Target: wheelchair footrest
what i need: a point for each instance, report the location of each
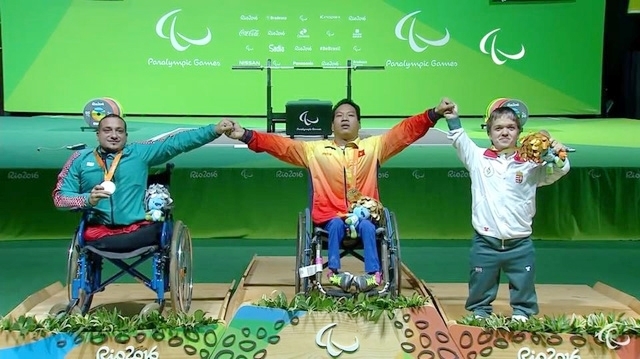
(309, 271)
(374, 293)
(339, 293)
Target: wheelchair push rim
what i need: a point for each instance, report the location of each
(180, 269)
(72, 265)
(397, 266)
(84, 300)
(302, 257)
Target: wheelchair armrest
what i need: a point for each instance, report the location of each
(321, 232)
(85, 212)
(318, 231)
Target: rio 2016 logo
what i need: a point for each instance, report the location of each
(289, 174)
(632, 175)
(458, 174)
(23, 175)
(104, 352)
(384, 174)
(203, 174)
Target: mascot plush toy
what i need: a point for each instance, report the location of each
(536, 147)
(157, 200)
(357, 214)
(155, 205)
(362, 207)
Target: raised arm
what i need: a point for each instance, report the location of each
(285, 149)
(466, 149)
(160, 151)
(66, 195)
(410, 130)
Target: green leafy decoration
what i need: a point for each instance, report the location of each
(613, 330)
(369, 307)
(109, 322)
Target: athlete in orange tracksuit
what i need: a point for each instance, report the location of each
(337, 165)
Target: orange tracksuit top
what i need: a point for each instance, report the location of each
(334, 170)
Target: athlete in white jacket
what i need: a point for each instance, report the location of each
(503, 190)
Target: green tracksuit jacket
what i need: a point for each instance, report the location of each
(126, 205)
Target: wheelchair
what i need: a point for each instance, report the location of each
(312, 240)
(171, 263)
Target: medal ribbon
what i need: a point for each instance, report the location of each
(108, 175)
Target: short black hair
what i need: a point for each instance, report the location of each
(347, 102)
(113, 115)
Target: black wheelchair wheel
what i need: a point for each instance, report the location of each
(180, 269)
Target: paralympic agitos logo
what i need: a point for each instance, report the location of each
(178, 40)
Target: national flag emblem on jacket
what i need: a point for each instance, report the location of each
(519, 177)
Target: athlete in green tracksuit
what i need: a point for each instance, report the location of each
(89, 177)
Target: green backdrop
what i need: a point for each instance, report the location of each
(175, 57)
(223, 192)
(263, 203)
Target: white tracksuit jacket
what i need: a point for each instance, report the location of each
(503, 188)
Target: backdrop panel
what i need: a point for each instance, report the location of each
(175, 57)
(263, 203)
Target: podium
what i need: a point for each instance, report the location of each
(308, 117)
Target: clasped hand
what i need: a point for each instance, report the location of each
(447, 108)
(224, 126)
(230, 128)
